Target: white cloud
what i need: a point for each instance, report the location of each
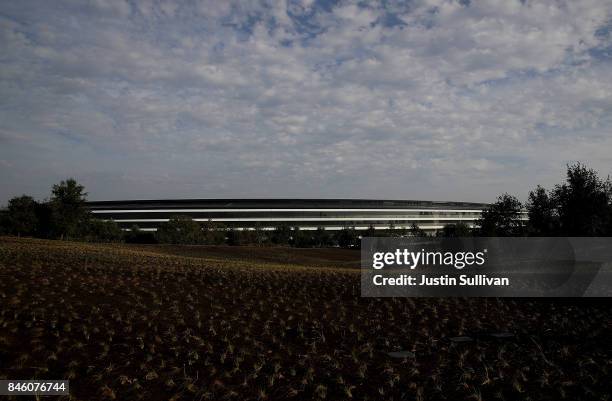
(241, 99)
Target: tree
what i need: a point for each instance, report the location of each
(45, 223)
(321, 238)
(582, 206)
(400, 232)
(68, 204)
(131, 235)
(102, 231)
(502, 218)
(391, 231)
(214, 233)
(583, 203)
(247, 237)
(137, 236)
(541, 209)
(281, 235)
(4, 222)
(455, 230)
(394, 232)
(416, 231)
(347, 238)
(370, 231)
(302, 238)
(180, 230)
(22, 219)
(234, 237)
(260, 237)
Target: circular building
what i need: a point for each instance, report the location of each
(307, 214)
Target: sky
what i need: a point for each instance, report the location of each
(432, 99)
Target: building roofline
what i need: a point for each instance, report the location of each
(267, 202)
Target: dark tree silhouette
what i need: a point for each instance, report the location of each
(582, 206)
(542, 213)
(22, 219)
(416, 231)
(321, 238)
(281, 235)
(96, 230)
(180, 230)
(347, 238)
(502, 218)
(455, 230)
(68, 205)
(583, 203)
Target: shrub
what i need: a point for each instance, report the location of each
(455, 230)
(281, 235)
(21, 219)
(347, 238)
(180, 230)
(136, 236)
(102, 231)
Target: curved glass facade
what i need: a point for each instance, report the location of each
(331, 214)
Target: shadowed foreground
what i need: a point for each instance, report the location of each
(132, 322)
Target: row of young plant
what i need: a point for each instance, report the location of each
(581, 206)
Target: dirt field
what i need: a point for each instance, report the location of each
(311, 257)
(218, 323)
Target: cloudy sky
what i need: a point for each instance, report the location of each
(432, 99)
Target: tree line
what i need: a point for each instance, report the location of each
(63, 216)
(580, 206)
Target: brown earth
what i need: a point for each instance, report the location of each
(315, 257)
(148, 323)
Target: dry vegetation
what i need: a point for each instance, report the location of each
(311, 257)
(131, 323)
